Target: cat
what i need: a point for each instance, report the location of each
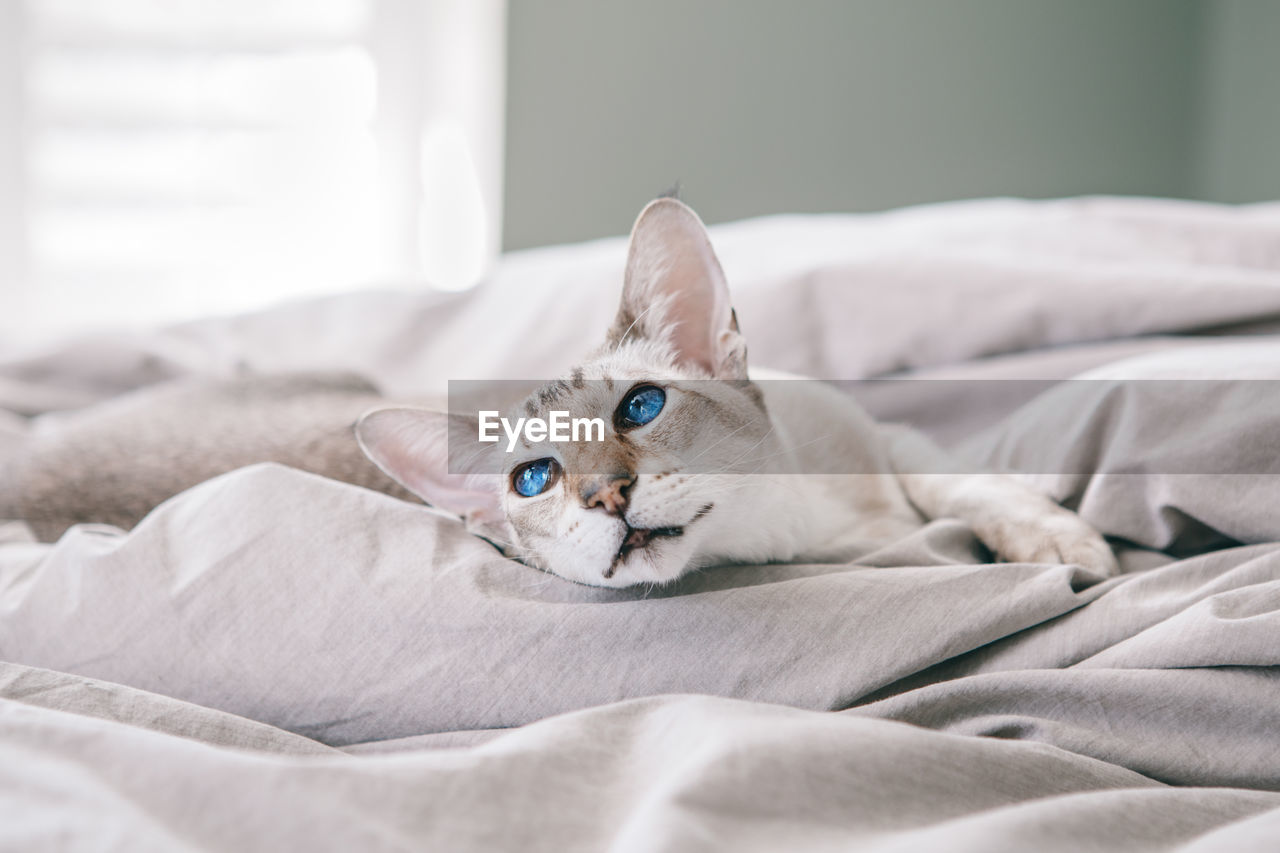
(701, 462)
(672, 378)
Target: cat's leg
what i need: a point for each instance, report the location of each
(1016, 522)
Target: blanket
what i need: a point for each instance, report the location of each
(275, 660)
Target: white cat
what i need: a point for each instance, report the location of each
(702, 464)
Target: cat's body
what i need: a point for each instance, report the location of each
(114, 462)
(700, 465)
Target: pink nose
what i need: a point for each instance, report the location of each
(608, 493)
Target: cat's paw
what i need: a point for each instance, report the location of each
(1057, 536)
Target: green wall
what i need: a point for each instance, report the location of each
(1240, 135)
(765, 106)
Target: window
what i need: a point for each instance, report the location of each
(171, 158)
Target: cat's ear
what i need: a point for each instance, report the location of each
(675, 291)
(412, 447)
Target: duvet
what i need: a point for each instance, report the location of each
(272, 660)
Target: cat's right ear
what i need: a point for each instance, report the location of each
(675, 292)
(411, 446)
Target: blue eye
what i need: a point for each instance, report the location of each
(535, 477)
(642, 405)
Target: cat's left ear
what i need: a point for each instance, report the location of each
(412, 447)
(675, 291)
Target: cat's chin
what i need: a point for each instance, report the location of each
(636, 555)
(651, 557)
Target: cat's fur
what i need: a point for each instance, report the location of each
(631, 509)
(114, 462)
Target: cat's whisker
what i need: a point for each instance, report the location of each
(763, 459)
(713, 445)
(539, 584)
(747, 452)
(520, 550)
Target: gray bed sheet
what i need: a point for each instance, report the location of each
(277, 661)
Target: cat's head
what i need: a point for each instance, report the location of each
(661, 490)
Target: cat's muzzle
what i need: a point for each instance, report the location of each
(637, 538)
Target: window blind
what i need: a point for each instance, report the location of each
(185, 157)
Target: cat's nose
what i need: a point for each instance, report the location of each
(609, 492)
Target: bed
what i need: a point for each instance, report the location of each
(272, 660)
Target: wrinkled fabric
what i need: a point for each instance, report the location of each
(272, 660)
